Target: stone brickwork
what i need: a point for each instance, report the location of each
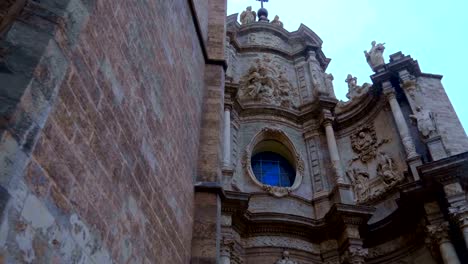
(100, 125)
(434, 98)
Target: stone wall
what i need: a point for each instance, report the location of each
(435, 99)
(100, 131)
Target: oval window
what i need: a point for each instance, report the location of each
(273, 169)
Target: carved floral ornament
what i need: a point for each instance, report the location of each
(269, 133)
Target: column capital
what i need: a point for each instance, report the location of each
(228, 107)
(356, 254)
(439, 232)
(327, 118)
(388, 90)
(407, 79)
(227, 245)
(459, 214)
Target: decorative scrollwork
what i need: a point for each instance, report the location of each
(364, 142)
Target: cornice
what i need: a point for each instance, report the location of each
(444, 171)
(304, 36)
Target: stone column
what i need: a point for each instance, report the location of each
(225, 257)
(439, 234)
(227, 138)
(332, 147)
(400, 121)
(458, 207)
(411, 156)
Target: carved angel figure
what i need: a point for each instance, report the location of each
(276, 21)
(355, 90)
(285, 259)
(426, 122)
(375, 56)
(387, 170)
(360, 181)
(248, 16)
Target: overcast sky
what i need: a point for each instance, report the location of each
(430, 31)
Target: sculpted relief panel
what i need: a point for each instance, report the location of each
(372, 171)
(267, 83)
(364, 142)
(268, 40)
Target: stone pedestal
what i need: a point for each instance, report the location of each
(436, 148)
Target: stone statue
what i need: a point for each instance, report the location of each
(316, 74)
(360, 181)
(354, 90)
(375, 56)
(329, 85)
(285, 259)
(230, 56)
(248, 16)
(387, 170)
(276, 21)
(426, 122)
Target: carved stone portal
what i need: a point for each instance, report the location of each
(264, 83)
(364, 142)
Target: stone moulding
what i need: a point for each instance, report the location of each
(269, 133)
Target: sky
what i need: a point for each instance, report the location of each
(429, 31)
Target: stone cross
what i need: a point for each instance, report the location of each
(263, 1)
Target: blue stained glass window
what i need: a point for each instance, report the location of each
(272, 169)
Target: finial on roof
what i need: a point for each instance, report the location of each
(263, 12)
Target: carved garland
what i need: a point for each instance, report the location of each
(269, 133)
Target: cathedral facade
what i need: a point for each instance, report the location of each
(168, 132)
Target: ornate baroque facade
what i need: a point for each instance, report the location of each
(129, 134)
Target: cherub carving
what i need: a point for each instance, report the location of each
(248, 16)
(375, 56)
